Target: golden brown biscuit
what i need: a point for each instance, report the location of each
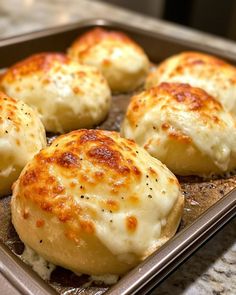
(22, 135)
(184, 127)
(95, 203)
(215, 76)
(66, 94)
(121, 60)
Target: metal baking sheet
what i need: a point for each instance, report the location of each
(207, 208)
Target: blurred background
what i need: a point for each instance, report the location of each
(212, 16)
(217, 17)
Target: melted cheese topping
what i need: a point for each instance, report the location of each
(121, 60)
(66, 94)
(21, 136)
(183, 114)
(97, 186)
(213, 75)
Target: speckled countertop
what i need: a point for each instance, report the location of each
(212, 269)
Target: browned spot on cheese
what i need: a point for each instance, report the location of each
(40, 223)
(112, 205)
(103, 154)
(29, 177)
(46, 206)
(131, 223)
(64, 215)
(46, 81)
(106, 62)
(81, 74)
(57, 188)
(136, 170)
(18, 142)
(134, 200)
(88, 136)
(197, 62)
(179, 136)
(99, 175)
(72, 184)
(194, 97)
(76, 90)
(73, 235)
(165, 126)
(152, 171)
(68, 160)
(25, 214)
(173, 180)
(87, 226)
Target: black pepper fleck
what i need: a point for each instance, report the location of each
(150, 196)
(81, 196)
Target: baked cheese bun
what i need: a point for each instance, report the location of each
(22, 135)
(184, 127)
(95, 203)
(120, 59)
(66, 94)
(215, 76)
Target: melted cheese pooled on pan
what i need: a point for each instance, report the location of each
(95, 203)
(42, 267)
(121, 60)
(215, 76)
(184, 127)
(22, 135)
(66, 94)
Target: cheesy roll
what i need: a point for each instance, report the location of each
(122, 61)
(214, 75)
(66, 94)
(184, 127)
(22, 135)
(95, 203)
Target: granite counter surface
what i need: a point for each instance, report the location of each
(212, 269)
